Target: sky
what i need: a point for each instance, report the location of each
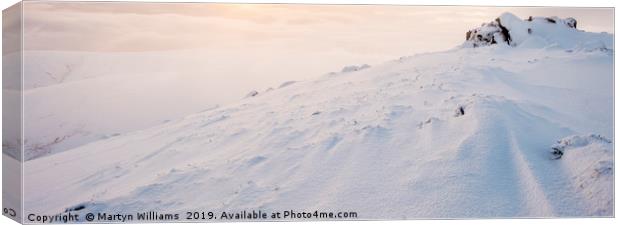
(257, 46)
(359, 29)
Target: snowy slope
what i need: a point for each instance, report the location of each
(461, 133)
(74, 98)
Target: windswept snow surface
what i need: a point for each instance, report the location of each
(74, 98)
(456, 134)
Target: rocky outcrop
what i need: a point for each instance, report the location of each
(505, 27)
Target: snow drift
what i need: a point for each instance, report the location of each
(457, 134)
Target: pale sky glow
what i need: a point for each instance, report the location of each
(237, 48)
(359, 29)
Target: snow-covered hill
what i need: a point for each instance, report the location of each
(74, 98)
(537, 32)
(468, 132)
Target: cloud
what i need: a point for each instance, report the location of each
(361, 29)
(226, 50)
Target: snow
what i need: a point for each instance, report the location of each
(287, 83)
(353, 68)
(252, 94)
(74, 98)
(464, 133)
(537, 32)
(589, 160)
